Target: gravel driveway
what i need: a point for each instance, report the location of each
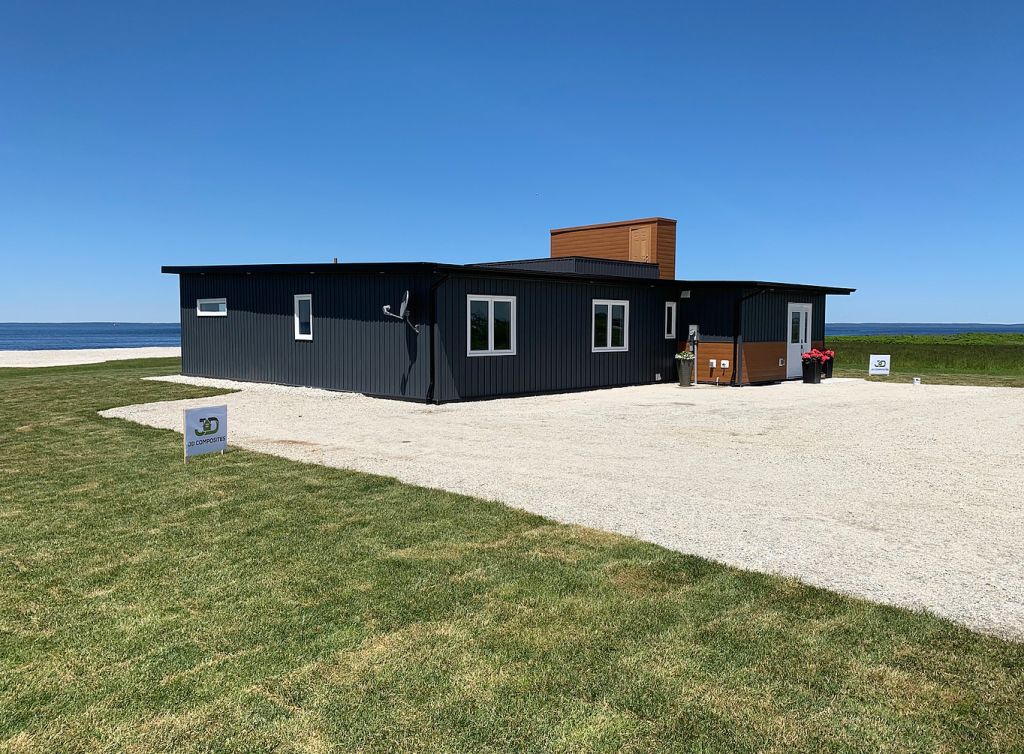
(906, 495)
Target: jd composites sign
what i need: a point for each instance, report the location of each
(206, 430)
(878, 364)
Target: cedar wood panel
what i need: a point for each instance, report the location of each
(611, 241)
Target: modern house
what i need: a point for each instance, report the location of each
(603, 310)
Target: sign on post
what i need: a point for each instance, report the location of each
(879, 364)
(206, 430)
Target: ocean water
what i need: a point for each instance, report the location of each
(34, 336)
(915, 328)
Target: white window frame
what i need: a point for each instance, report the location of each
(670, 331)
(295, 312)
(490, 325)
(593, 325)
(201, 301)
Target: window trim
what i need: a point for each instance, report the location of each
(295, 314)
(201, 301)
(470, 298)
(593, 325)
(670, 332)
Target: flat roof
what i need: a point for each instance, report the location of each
(641, 221)
(384, 268)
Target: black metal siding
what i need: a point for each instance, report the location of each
(553, 339)
(713, 310)
(582, 266)
(354, 347)
(764, 315)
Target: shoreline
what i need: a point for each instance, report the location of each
(72, 356)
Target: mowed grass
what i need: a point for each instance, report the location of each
(248, 603)
(994, 359)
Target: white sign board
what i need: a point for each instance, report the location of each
(879, 364)
(206, 430)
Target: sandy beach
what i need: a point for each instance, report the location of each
(58, 358)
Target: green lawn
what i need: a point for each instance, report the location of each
(247, 603)
(967, 359)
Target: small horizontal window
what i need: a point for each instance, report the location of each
(670, 319)
(304, 316)
(491, 325)
(610, 325)
(212, 307)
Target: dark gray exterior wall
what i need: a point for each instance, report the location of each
(764, 315)
(553, 338)
(582, 266)
(354, 347)
(713, 309)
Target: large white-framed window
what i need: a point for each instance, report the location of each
(670, 320)
(303, 316)
(490, 325)
(211, 307)
(609, 325)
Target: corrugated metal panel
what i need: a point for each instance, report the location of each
(553, 341)
(581, 266)
(765, 315)
(354, 347)
(713, 309)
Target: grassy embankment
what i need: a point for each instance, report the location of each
(968, 359)
(250, 603)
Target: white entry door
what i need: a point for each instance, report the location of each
(798, 335)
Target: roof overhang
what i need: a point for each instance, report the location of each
(765, 285)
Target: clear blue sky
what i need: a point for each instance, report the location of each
(876, 145)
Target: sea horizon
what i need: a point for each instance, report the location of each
(40, 336)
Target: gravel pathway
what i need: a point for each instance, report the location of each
(906, 495)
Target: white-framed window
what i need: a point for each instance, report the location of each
(490, 325)
(670, 320)
(609, 325)
(211, 307)
(304, 316)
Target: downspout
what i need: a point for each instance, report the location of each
(432, 295)
(737, 338)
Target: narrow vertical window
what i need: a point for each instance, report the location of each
(670, 319)
(304, 316)
(491, 325)
(610, 325)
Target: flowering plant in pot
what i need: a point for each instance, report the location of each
(684, 367)
(813, 361)
(827, 363)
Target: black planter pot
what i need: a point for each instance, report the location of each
(812, 372)
(685, 370)
(826, 369)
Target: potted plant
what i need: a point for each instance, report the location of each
(812, 361)
(827, 363)
(684, 366)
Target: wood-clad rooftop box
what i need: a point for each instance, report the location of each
(650, 239)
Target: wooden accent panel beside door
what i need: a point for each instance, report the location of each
(761, 362)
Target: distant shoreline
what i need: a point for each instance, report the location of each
(25, 358)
